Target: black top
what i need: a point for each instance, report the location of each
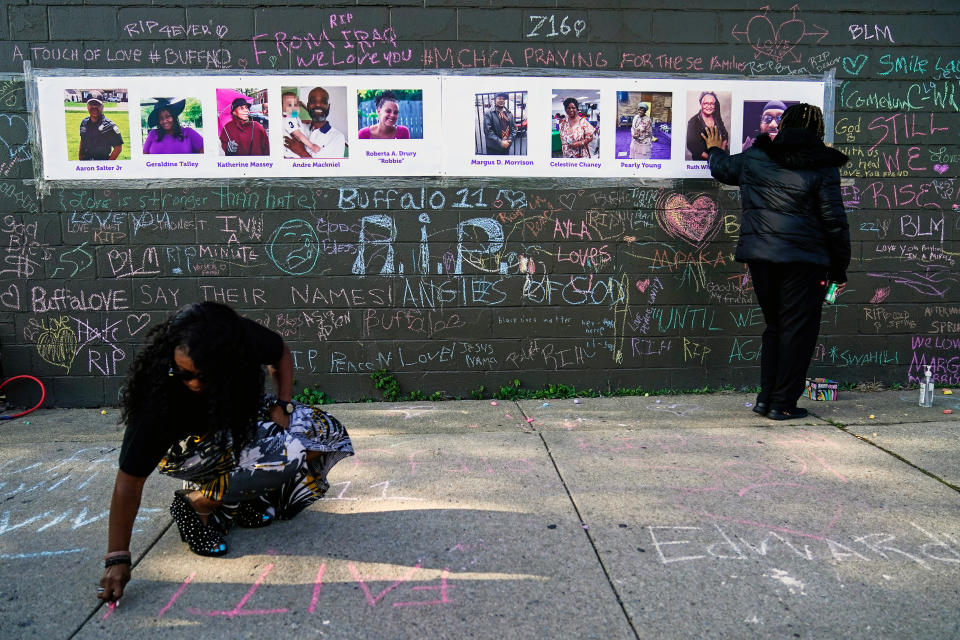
(148, 437)
(99, 139)
(493, 126)
(695, 126)
(792, 205)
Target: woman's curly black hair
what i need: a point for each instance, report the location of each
(177, 129)
(385, 96)
(212, 335)
(803, 116)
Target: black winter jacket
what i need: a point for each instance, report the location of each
(792, 207)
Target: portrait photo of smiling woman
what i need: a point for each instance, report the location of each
(709, 109)
(172, 125)
(390, 114)
(242, 122)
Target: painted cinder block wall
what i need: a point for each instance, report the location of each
(596, 292)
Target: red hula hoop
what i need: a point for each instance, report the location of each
(43, 395)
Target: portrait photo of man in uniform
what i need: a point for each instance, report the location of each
(97, 123)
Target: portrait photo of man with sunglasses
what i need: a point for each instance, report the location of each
(760, 117)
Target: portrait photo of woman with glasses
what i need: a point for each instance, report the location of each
(709, 109)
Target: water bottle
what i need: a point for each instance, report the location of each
(926, 388)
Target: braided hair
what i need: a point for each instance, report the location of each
(385, 96)
(212, 335)
(803, 116)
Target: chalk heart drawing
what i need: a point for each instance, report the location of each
(779, 41)
(57, 343)
(514, 198)
(11, 298)
(18, 131)
(137, 322)
(854, 66)
(696, 222)
(941, 168)
(643, 284)
(568, 199)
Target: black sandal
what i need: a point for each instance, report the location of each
(249, 515)
(252, 515)
(203, 540)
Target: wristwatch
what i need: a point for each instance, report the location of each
(285, 405)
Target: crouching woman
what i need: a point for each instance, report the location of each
(195, 409)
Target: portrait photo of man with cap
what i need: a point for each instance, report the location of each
(99, 137)
(240, 133)
(762, 117)
(500, 128)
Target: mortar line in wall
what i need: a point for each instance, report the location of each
(585, 527)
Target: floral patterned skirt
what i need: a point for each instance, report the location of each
(271, 468)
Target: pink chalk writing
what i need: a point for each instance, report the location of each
(239, 610)
(442, 589)
(317, 588)
(176, 595)
(363, 581)
(371, 600)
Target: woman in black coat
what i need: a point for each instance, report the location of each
(795, 239)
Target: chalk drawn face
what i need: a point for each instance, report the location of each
(770, 122)
(389, 113)
(294, 247)
(165, 120)
(186, 371)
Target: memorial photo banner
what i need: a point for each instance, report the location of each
(141, 127)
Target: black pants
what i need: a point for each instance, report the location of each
(791, 297)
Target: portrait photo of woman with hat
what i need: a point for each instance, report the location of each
(167, 134)
(242, 122)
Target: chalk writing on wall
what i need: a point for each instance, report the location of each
(455, 282)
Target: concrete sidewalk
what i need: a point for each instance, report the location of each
(642, 517)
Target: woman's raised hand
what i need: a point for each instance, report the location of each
(711, 135)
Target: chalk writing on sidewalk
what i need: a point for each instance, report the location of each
(406, 588)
